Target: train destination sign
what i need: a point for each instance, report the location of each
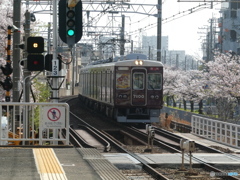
(53, 117)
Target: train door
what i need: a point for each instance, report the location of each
(138, 87)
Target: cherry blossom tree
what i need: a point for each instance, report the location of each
(191, 88)
(6, 14)
(223, 81)
(170, 83)
(218, 79)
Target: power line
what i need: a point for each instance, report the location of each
(172, 18)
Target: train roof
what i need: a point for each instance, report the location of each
(130, 62)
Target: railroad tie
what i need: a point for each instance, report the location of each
(48, 165)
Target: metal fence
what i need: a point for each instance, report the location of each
(34, 124)
(223, 132)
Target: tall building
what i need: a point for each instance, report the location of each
(229, 27)
(149, 46)
(175, 58)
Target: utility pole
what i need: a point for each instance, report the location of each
(149, 52)
(159, 30)
(16, 51)
(211, 41)
(49, 39)
(122, 40)
(131, 46)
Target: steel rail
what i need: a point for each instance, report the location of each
(206, 165)
(121, 149)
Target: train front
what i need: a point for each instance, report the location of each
(139, 91)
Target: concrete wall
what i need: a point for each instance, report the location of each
(178, 114)
(182, 115)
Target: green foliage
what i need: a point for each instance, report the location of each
(182, 109)
(42, 94)
(41, 91)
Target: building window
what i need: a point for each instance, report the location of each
(233, 35)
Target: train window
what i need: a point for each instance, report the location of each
(138, 81)
(154, 81)
(123, 80)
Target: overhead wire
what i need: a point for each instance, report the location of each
(172, 18)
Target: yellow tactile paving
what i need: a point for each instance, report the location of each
(48, 165)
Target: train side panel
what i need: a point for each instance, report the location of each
(96, 84)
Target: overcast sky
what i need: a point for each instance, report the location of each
(184, 33)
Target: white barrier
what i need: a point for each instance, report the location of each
(219, 131)
(34, 123)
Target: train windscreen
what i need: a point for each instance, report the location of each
(154, 81)
(138, 81)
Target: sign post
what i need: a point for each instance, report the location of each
(53, 117)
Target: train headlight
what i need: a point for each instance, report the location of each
(139, 62)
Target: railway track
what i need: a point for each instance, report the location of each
(175, 138)
(180, 127)
(146, 169)
(154, 172)
(205, 165)
(198, 146)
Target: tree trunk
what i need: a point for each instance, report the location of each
(167, 100)
(174, 102)
(192, 106)
(184, 104)
(180, 104)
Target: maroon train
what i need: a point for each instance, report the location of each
(130, 91)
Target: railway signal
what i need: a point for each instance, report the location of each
(35, 45)
(35, 62)
(7, 69)
(70, 22)
(35, 59)
(7, 84)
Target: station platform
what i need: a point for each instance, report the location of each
(56, 164)
(87, 163)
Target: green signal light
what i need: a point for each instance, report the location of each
(70, 32)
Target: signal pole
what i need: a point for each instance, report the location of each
(26, 73)
(55, 62)
(16, 51)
